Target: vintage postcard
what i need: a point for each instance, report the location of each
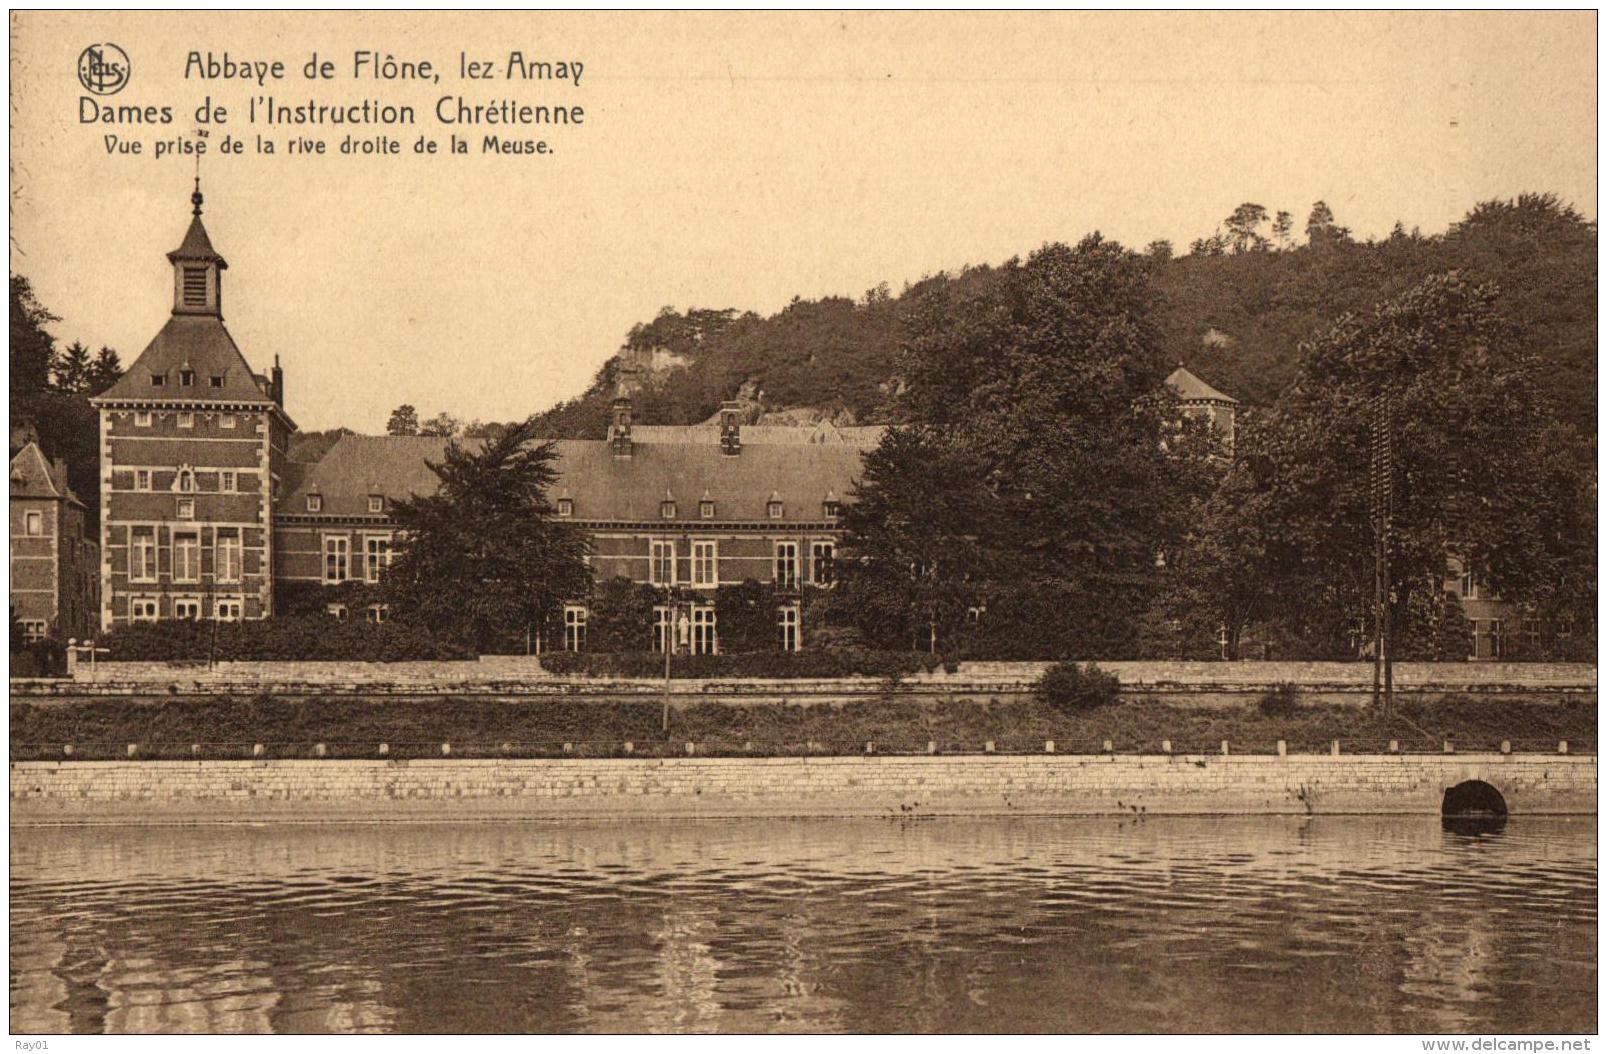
(804, 523)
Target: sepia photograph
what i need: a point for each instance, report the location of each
(804, 523)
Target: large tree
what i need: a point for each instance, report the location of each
(484, 560)
(1040, 389)
(1482, 468)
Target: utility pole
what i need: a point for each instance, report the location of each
(1381, 486)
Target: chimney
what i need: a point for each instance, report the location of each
(731, 427)
(619, 427)
(277, 388)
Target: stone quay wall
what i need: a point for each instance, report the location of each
(896, 787)
(523, 675)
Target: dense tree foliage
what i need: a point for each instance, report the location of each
(484, 560)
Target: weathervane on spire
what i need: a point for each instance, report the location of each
(195, 198)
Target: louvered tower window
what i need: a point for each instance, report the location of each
(195, 287)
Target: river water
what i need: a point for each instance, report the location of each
(948, 925)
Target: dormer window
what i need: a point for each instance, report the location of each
(158, 380)
(376, 503)
(217, 380)
(186, 378)
(666, 509)
(705, 509)
(566, 506)
(315, 503)
(774, 509)
(830, 509)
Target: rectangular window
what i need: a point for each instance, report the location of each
(1497, 641)
(566, 506)
(228, 610)
(228, 554)
(703, 635)
(786, 565)
(142, 609)
(34, 629)
(574, 627)
(337, 612)
(142, 555)
(378, 612)
(662, 571)
(1531, 631)
(228, 482)
(376, 503)
(158, 380)
(821, 557)
(661, 628)
(142, 418)
(376, 557)
(787, 620)
(705, 564)
(705, 509)
(34, 524)
(224, 420)
(186, 556)
(186, 419)
(187, 608)
(186, 508)
(142, 479)
(195, 286)
(315, 503)
(186, 378)
(774, 509)
(337, 559)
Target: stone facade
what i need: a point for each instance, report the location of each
(895, 787)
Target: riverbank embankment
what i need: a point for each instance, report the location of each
(443, 789)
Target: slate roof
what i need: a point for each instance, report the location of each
(602, 486)
(199, 343)
(197, 246)
(33, 476)
(1189, 388)
(824, 433)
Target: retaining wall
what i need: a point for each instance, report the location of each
(522, 675)
(206, 791)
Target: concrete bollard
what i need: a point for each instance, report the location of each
(988, 746)
(1283, 748)
(133, 750)
(1110, 748)
(257, 750)
(1506, 746)
(1224, 748)
(1166, 746)
(1394, 746)
(1333, 748)
(630, 748)
(1048, 746)
(319, 750)
(1449, 749)
(67, 750)
(384, 749)
(931, 746)
(1562, 746)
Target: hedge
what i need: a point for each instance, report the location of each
(307, 637)
(835, 663)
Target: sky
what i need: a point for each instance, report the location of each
(736, 160)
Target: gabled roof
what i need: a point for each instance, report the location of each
(33, 476)
(602, 486)
(1190, 388)
(199, 343)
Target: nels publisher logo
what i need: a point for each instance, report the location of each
(104, 69)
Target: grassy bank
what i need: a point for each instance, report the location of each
(230, 727)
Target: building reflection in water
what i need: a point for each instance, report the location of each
(1383, 924)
